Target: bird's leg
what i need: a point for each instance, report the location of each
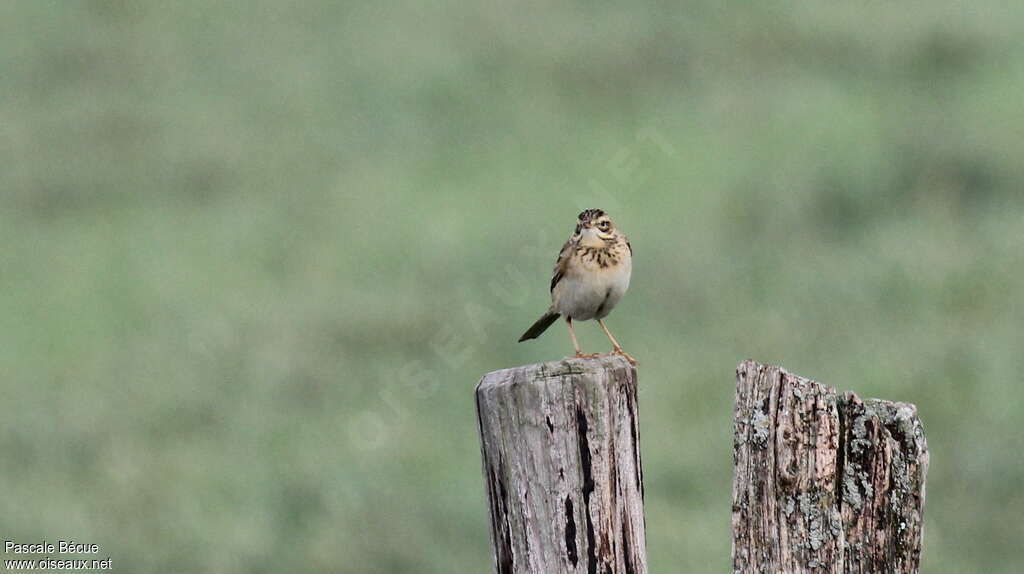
(575, 343)
(618, 348)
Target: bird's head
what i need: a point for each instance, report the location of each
(594, 227)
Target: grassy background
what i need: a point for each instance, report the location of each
(256, 255)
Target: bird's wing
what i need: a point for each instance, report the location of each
(630, 247)
(560, 264)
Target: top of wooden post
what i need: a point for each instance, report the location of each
(550, 369)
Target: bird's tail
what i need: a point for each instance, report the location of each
(540, 326)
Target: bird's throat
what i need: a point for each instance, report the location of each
(592, 240)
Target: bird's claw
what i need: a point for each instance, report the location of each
(625, 355)
(582, 355)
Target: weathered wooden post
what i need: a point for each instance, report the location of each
(561, 460)
(824, 482)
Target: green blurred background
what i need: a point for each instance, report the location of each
(255, 255)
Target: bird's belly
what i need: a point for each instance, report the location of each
(590, 297)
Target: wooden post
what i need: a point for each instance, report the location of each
(824, 482)
(561, 460)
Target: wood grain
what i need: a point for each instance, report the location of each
(561, 461)
(823, 482)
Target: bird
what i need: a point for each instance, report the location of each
(591, 274)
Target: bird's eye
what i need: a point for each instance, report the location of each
(604, 225)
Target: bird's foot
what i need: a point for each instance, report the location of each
(625, 355)
(582, 355)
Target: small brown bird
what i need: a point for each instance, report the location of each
(591, 275)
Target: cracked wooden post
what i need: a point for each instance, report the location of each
(824, 482)
(561, 461)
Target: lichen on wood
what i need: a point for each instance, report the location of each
(886, 458)
(824, 482)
